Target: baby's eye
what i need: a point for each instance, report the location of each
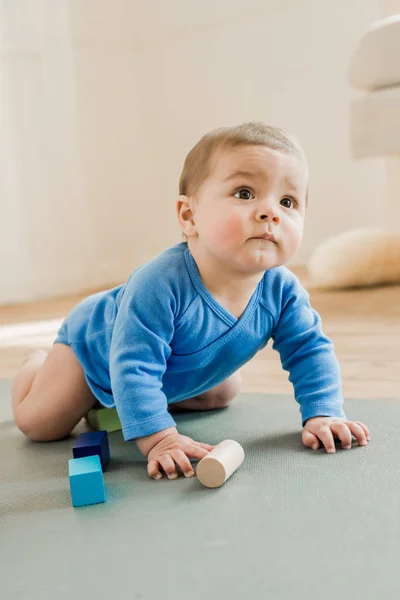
(288, 200)
(244, 194)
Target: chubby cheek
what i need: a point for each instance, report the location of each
(228, 230)
(293, 239)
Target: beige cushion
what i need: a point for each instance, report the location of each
(356, 258)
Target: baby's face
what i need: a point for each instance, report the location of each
(252, 191)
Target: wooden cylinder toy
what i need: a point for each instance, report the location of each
(219, 464)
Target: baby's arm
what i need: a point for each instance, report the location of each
(308, 355)
(140, 348)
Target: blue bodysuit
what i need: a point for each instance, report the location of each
(162, 337)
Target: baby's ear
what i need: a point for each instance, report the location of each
(186, 215)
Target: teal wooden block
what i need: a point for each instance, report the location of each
(86, 480)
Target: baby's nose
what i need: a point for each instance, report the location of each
(268, 216)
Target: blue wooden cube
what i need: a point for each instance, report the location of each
(91, 443)
(86, 481)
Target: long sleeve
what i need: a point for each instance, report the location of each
(308, 355)
(140, 348)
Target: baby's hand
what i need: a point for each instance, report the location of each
(175, 449)
(324, 429)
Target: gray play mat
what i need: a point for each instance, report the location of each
(289, 524)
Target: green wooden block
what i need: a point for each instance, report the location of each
(104, 419)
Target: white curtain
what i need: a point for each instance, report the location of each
(82, 190)
(45, 235)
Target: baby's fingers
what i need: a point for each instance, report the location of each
(183, 462)
(342, 431)
(310, 440)
(359, 432)
(168, 466)
(364, 428)
(195, 451)
(153, 469)
(166, 463)
(206, 446)
(326, 437)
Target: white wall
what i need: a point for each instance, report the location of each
(103, 104)
(389, 7)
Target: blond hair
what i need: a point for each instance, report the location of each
(197, 164)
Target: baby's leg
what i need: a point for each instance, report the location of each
(218, 397)
(50, 394)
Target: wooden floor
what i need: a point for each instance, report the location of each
(363, 324)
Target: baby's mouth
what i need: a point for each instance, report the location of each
(268, 236)
(265, 239)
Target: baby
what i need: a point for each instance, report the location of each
(178, 331)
